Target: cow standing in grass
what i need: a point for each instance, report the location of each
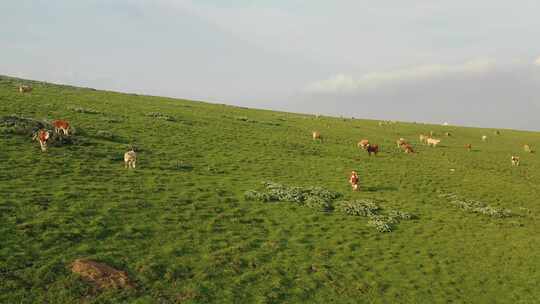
(363, 144)
(423, 138)
(433, 142)
(61, 125)
(372, 149)
(484, 137)
(400, 142)
(43, 136)
(353, 180)
(515, 160)
(527, 149)
(407, 148)
(25, 89)
(468, 147)
(316, 135)
(130, 159)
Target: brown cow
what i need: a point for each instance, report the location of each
(468, 147)
(372, 149)
(408, 148)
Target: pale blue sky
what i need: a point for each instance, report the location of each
(465, 62)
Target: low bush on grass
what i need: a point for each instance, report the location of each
(382, 222)
(358, 208)
(473, 206)
(84, 110)
(322, 199)
(312, 197)
(14, 124)
(159, 115)
(105, 135)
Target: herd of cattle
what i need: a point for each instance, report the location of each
(424, 139)
(62, 128)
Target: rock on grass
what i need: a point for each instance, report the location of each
(102, 275)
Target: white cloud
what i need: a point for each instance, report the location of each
(537, 62)
(342, 83)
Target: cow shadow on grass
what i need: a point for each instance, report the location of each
(380, 188)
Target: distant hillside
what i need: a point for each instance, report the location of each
(182, 228)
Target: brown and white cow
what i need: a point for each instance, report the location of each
(515, 160)
(130, 159)
(43, 136)
(372, 149)
(25, 88)
(468, 147)
(363, 144)
(353, 180)
(61, 125)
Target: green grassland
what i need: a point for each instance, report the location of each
(180, 226)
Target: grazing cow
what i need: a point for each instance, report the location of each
(515, 160)
(363, 144)
(25, 88)
(497, 132)
(353, 180)
(447, 134)
(43, 136)
(61, 125)
(484, 137)
(527, 149)
(407, 148)
(433, 142)
(468, 147)
(400, 142)
(372, 149)
(130, 159)
(423, 138)
(316, 135)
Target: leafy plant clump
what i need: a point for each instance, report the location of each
(15, 124)
(473, 206)
(160, 115)
(312, 197)
(370, 209)
(358, 208)
(84, 110)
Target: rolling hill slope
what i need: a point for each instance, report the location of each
(182, 229)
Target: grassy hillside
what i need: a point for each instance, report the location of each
(180, 226)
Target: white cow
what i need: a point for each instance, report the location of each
(130, 159)
(433, 142)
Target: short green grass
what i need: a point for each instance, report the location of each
(180, 226)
